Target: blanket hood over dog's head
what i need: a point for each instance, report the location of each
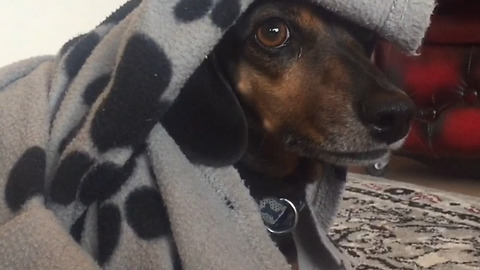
(127, 137)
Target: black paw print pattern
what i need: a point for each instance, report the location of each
(223, 14)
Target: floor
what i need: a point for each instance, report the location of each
(405, 170)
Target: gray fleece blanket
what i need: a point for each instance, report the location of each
(112, 156)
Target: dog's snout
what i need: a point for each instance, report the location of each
(388, 116)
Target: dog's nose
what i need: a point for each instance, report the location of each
(388, 116)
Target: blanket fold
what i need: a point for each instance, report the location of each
(113, 157)
(34, 240)
(402, 22)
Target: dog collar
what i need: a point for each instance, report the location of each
(280, 215)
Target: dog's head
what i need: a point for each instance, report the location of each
(306, 82)
(307, 78)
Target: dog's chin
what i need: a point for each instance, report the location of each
(360, 158)
(345, 158)
(396, 145)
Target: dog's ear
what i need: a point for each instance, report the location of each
(367, 38)
(206, 119)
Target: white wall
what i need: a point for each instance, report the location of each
(36, 27)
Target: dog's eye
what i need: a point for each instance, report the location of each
(273, 33)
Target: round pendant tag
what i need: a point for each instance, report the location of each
(279, 214)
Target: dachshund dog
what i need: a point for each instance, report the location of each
(311, 95)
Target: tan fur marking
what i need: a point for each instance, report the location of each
(309, 20)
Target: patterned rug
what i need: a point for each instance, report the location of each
(391, 225)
